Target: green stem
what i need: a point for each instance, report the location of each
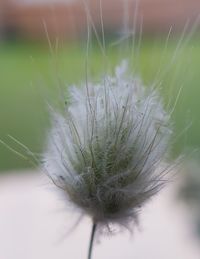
(92, 240)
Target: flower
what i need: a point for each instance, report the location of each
(106, 150)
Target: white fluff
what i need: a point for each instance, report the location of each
(105, 151)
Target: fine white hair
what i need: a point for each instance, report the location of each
(106, 150)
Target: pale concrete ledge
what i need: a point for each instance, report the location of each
(33, 222)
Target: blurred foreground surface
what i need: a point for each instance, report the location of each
(34, 222)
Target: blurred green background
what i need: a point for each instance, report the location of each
(33, 74)
(31, 77)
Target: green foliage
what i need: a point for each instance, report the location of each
(31, 76)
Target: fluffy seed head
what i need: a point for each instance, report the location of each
(105, 151)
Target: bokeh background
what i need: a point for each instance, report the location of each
(166, 52)
(43, 51)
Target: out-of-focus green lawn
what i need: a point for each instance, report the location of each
(30, 77)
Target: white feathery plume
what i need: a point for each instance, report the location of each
(105, 152)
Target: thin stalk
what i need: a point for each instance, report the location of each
(92, 240)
